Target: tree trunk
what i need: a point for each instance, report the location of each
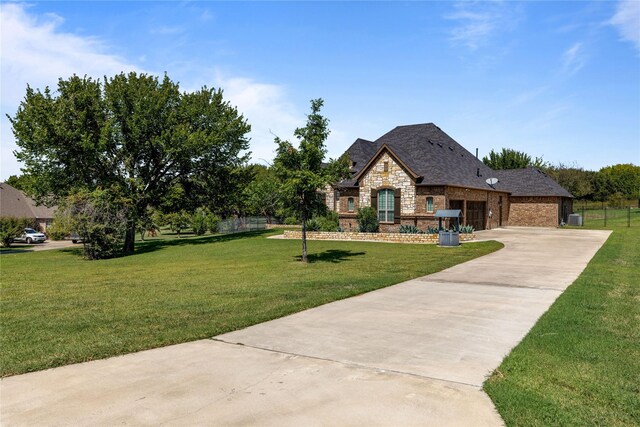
(130, 239)
(304, 239)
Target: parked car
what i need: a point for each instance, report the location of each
(31, 236)
(75, 238)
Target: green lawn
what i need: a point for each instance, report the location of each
(580, 364)
(57, 308)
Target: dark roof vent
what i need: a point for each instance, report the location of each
(439, 145)
(451, 148)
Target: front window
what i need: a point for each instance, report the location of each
(429, 204)
(30, 231)
(351, 204)
(385, 205)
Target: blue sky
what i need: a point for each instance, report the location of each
(554, 79)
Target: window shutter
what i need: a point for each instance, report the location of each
(374, 200)
(396, 206)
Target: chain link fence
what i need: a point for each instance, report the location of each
(609, 217)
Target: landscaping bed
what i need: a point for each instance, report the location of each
(372, 237)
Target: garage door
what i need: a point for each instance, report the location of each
(475, 214)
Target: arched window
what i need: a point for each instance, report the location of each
(385, 205)
(429, 204)
(350, 204)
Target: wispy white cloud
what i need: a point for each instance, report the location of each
(36, 51)
(627, 21)
(477, 22)
(574, 58)
(267, 108)
(164, 30)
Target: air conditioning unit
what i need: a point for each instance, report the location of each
(575, 219)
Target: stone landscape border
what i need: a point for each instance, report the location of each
(372, 237)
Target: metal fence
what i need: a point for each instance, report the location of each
(240, 225)
(609, 217)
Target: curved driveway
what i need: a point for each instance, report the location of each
(411, 354)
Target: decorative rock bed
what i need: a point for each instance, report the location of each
(375, 237)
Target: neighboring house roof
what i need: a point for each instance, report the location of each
(531, 181)
(437, 159)
(15, 203)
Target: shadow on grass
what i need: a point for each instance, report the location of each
(146, 246)
(154, 245)
(331, 255)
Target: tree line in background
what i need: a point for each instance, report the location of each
(614, 184)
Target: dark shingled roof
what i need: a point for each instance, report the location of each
(15, 203)
(530, 182)
(439, 160)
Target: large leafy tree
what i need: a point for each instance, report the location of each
(302, 171)
(511, 159)
(132, 133)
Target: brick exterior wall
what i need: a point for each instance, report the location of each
(343, 202)
(535, 211)
(376, 237)
(492, 200)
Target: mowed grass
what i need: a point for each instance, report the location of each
(580, 364)
(57, 308)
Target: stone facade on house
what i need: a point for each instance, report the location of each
(433, 172)
(393, 177)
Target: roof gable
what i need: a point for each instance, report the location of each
(374, 159)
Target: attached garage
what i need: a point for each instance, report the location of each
(475, 214)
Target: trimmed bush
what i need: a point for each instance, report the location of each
(291, 220)
(368, 220)
(329, 222)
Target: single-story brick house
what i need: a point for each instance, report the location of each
(412, 171)
(14, 203)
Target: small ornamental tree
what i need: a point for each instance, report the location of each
(302, 171)
(200, 221)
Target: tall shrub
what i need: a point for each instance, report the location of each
(200, 221)
(11, 227)
(101, 219)
(368, 220)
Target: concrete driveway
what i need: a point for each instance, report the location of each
(411, 354)
(36, 247)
